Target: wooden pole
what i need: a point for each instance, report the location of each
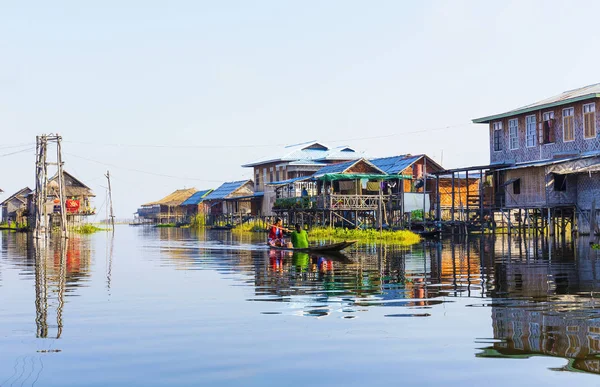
(61, 188)
(112, 216)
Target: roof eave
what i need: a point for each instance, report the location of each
(488, 119)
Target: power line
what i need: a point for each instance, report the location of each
(17, 145)
(233, 146)
(141, 171)
(14, 153)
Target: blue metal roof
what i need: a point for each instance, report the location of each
(395, 164)
(196, 198)
(335, 168)
(225, 190)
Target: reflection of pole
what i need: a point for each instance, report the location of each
(41, 293)
(61, 287)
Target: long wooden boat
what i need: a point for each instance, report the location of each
(329, 247)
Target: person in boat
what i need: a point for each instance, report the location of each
(276, 234)
(299, 238)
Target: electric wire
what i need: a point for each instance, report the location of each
(141, 171)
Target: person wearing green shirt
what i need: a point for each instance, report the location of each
(299, 238)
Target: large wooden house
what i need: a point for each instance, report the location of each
(292, 163)
(545, 157)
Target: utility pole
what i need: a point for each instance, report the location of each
(112, 216)
(41, 222)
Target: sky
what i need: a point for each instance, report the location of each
(180, 94)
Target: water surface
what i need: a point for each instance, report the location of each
(158, 307)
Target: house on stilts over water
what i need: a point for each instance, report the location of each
(544, 164)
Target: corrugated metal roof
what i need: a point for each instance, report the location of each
(342, 167)
(289, 181)
(196, 198)
(395, 164)
(175, 198)
(570, 96)
(543, 163)
(310, 151)
(226, 189)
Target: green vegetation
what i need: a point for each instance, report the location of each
(166, 225)
(416, 215)
(289, 203)
(86, 229)
(595, 246)
(13, 226)
(401, 237)
(198, 221)
(251, 226)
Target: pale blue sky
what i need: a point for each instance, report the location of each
(238, 73)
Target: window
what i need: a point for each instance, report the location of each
(560, 182)
(277, 174)
(517, 187)
(497, 136)
(513, 133)
(271, 175)
(548, 125)
(257, 180)
(568, 134)
(530, 131)
(589, 120)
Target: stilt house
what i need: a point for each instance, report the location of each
(545, 159)
(291, 166)
(233, 200)
(15, 206)
(167, 209)
(194, 205)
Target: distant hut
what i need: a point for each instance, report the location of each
(15, 206)
(167, 209)
(194, 205)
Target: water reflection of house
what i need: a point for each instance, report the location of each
(547, 308)
(15, 206)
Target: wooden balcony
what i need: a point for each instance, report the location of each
(349, 202)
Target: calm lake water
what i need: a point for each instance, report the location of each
(157, 307)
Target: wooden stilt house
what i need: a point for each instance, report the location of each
(167, 209)
(14, 207)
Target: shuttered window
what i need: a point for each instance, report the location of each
(548, 127)
(568, 132)
(513, 133)
(497, 136)
(589, 120)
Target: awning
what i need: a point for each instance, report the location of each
(358, 176)
(588, 169)
(253, 196)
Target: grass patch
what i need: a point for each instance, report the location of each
(400, 237)
(166, 225)
(86, 229)
(251, 226)
(198, 221)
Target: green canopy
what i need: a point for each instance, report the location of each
(359, 176)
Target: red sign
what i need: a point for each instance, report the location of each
(72, 205)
